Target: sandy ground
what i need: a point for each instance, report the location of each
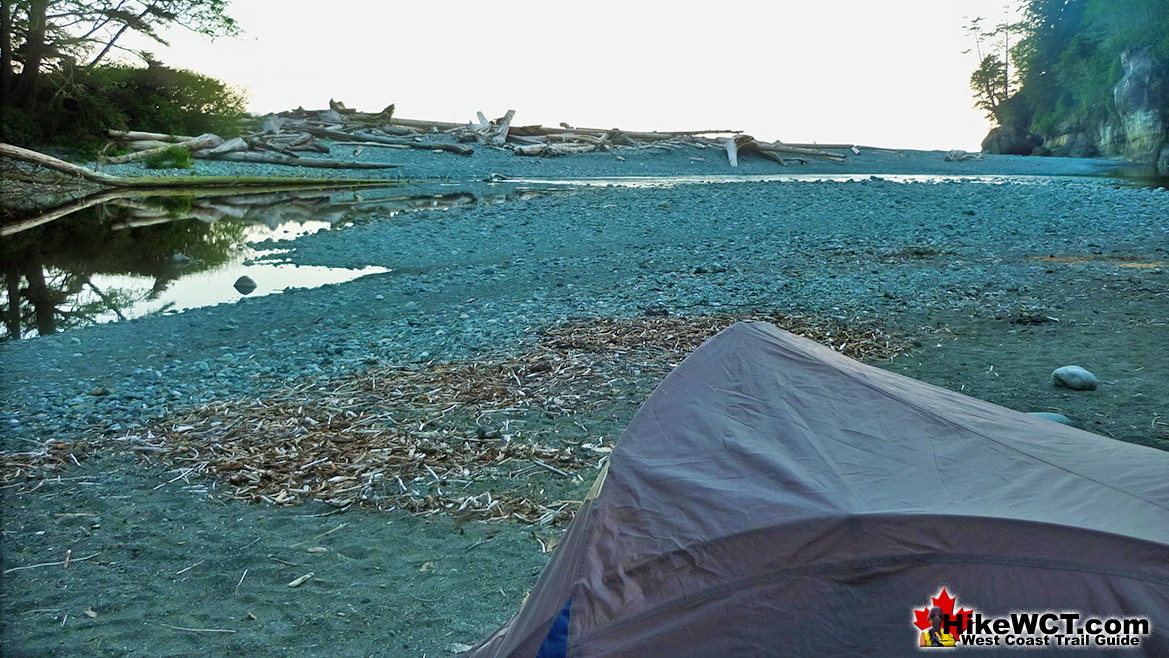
(165, 566)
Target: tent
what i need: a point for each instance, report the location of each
(774, 498)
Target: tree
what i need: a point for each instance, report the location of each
(991, 81)
(36, 35)
(988, 84)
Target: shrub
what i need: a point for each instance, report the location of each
(78, 106)
(174, 157)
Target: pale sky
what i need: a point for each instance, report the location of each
(875, 72)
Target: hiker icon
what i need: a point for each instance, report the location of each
(935, 636)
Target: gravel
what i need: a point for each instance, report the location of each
(476, 279)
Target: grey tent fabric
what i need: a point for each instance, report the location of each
(774, 498)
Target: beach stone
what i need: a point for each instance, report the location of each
(245, 285)
(411, 307)
(1047, 415)
(1075, 378)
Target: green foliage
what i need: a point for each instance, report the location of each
(176, 206)
(57, 86)
(174, 157)
(988, 84)
(154, 98)
(18, 128)
(159, 98)
(1068, 60)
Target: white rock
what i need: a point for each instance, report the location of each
(1075, 378)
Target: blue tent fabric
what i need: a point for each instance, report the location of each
(556, 644)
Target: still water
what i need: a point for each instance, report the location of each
(137, 255)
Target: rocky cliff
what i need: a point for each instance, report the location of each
(1135, 128)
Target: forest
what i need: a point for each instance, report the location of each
(1061, 62)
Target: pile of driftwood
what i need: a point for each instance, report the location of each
(538, 140)
(237, 149)
(460, 438)
(282, 137)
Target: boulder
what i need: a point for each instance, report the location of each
(245, 285)
(1075, 378)
(1009, 140)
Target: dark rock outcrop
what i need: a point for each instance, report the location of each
(1140, 99)
(1074, 139)
(1135, 128)
(1009, 140)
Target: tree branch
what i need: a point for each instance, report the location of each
(117, 35)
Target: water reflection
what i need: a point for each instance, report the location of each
(116, 256)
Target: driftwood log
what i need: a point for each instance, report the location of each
(19, 154)
(294, 161)
(364, 136)
(137, 136)
(205, 141)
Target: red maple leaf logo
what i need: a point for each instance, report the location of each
(946, 602)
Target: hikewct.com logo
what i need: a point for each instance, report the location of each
(940, 626)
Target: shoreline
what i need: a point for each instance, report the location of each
(997, 284)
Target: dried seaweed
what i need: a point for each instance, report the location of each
(466, 438)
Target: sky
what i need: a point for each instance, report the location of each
(876, 72)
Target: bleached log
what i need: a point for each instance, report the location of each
(958, 155)
(231, 145)
(142, 145)
(783, 161)
(573, 137)
(571, 149)
(400, 131)
(11, 228)
(265, 146)
(273, 124)
(318, 163)
(206, 141)
(362, 136)
(555, 149)
(339, 107)
(137, 136)
(526, 141)
(140, 222)
(733, 144)
(306, 142)
(377, 145)
(504, 125)
(780, 147)
(619, 138)
(427, 125)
